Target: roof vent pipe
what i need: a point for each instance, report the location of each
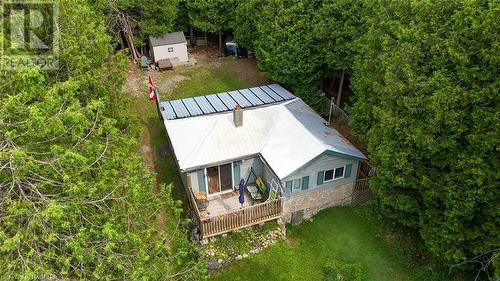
(238, 116)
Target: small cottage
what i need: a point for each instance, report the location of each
(171, 46)
(257, 154)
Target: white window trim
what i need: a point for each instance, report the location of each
(334, 179)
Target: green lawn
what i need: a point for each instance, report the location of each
(207, 81)
(344, 234)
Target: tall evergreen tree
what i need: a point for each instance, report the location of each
(288, 50)
(211, 15)
(244, 23)
(427, 105)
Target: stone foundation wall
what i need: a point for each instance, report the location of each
(305, 205)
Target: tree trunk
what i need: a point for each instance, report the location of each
(123, 24)
(133, 51)
(331, 84)
(339, 94)
(191, 36)
(122, 45)
(220, 41)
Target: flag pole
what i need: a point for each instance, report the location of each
(157, 98)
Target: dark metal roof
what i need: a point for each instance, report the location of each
(226, 101)
(168, 39)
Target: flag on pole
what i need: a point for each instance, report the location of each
(151, 87)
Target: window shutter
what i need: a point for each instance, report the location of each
(347, 172)
(321, 175)
(236, 172)
(201, 181)
(305, 182)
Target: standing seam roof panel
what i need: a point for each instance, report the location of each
(192, 107)
(169, 111)
(262, 95)
(179, 109)
(271, 93)
(251, 97)
(281, 91)
(218, 105)
(240, 99)
(227, 100)
(205, 106)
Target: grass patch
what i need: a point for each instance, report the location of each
(345, 235)
(203, 81)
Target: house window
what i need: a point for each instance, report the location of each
(296, 183)
(170, 49)
(334, 174)
(289, 185)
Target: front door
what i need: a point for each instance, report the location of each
(213, 179)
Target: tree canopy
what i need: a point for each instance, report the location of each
(426, 103)
(75, 202)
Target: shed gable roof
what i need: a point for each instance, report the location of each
(168, 39)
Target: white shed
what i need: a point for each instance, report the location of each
(171, 46)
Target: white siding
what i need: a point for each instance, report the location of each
(323, 163)
(179, 52)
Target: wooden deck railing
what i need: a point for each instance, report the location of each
(240, 218)
(193, 203)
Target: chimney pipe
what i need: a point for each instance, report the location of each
(238, 116)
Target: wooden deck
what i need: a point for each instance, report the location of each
(224, 203)
(225, 214)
